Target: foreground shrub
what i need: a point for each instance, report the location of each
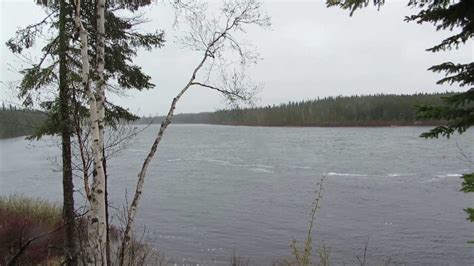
(31, 233)
(30, 230)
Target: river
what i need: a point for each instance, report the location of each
(214, 190)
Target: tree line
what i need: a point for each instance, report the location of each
(85, 59)
(16, 122)
(365, 110)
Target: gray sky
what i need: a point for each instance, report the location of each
(310, 51)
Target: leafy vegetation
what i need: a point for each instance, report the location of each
(369, 110)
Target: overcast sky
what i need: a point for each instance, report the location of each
(310, 51)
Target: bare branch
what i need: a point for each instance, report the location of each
(208, 36)
(225, 92)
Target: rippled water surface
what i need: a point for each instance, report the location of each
(214, 190)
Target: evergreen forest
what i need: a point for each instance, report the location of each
(366, 110)
(16, 122)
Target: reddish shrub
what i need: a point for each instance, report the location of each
(17, 229)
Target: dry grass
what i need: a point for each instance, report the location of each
(35, 210)
(30, 231)
(22, 218)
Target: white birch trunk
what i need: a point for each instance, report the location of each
(97, 222)
(96, 229)
(247, 15)
(132, 211)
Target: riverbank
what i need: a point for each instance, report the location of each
(368, 124)
(28, 228)
(31, 233)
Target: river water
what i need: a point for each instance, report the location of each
(216, 190)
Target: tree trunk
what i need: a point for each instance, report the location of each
(96, 227)
(98, 224)
(107, 246)
(68, 186)
(132, 210)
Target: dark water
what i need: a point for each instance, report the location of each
(216, 189)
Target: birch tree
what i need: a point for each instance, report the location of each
(215, 38)
(96, 225)
(40, 80)
(97, 216)
(224, 59)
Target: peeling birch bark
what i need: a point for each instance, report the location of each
(97, 226)
(96, 230)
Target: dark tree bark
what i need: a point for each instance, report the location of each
(107, 247)
(64, 106)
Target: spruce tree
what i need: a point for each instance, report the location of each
(60, 65)
(122, 43)
(70, 246)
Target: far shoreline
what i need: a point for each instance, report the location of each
(368, 125)
(335, 125)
